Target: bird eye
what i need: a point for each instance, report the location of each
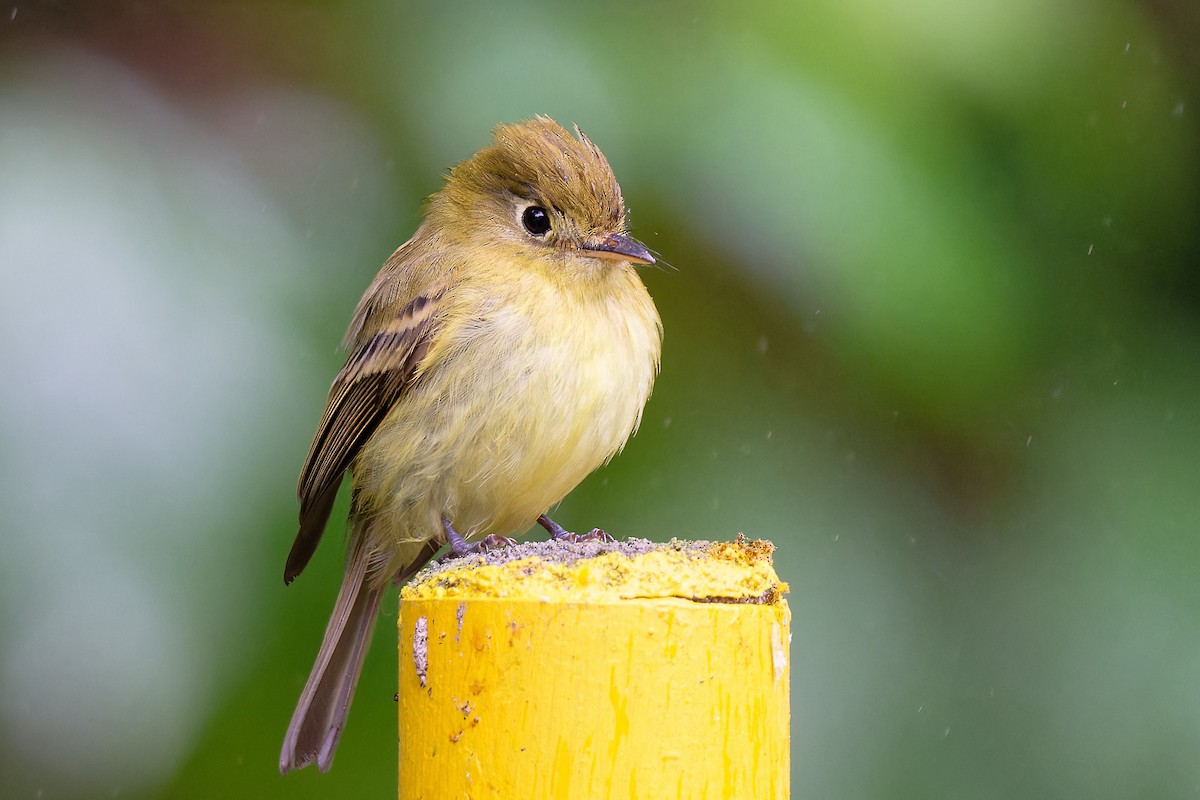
(536, 220)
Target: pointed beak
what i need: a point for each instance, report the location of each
(618, 247)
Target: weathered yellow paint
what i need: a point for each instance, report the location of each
(536, 680)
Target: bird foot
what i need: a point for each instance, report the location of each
(560, 534)
(461, 547)
(494, 542)
(594, 535)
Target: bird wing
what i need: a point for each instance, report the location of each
(375, 376)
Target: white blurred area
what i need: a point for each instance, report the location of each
(150, 278)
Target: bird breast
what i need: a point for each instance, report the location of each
(526, 392)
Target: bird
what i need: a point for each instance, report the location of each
(501, 355)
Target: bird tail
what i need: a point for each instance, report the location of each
(321, 713)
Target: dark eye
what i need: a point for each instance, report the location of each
(536, 220)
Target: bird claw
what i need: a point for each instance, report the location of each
(594, 535)
(560, 534)
(494, 542)
(461, 547)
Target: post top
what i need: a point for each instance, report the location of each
(713, 572)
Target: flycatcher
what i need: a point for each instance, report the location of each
(501, 354)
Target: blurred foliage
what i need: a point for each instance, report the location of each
(932, 329)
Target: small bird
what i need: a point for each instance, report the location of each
(501, 354)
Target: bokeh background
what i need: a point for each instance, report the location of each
(933, 329)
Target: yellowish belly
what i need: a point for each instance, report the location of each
(519, 409)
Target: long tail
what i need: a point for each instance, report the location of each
(320, 715)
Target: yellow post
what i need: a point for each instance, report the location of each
(657, 672)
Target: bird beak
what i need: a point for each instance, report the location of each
(618, 247)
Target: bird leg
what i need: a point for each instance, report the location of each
(462, 547)
(560, 534)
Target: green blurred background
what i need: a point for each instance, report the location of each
(933, 330)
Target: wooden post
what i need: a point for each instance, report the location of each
(627, 670)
